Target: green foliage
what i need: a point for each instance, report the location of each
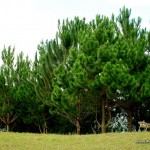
(146, 86)
(87, 66)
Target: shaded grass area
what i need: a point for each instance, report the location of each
(109, 141)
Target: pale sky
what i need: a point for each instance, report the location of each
(24, 23)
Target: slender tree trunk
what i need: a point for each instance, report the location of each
(7, 127)
(44, 124)
(45, 130)
(103, 127)
(7, 120)
(40, 128)
(78, 126)
(129, 120)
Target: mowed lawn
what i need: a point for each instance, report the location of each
(108, 141)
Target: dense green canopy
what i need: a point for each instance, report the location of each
(82, 78)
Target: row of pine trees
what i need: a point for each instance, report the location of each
(80, 80)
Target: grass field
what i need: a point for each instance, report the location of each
(109, 141)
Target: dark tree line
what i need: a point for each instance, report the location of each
(81, 80)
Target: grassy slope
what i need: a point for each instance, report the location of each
(109, 141)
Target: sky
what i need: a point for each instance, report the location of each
(25, 23)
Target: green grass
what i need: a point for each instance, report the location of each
(109, 141)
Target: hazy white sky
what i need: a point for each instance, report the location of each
(24, 23)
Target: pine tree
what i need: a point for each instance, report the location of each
(67, 95)
(8, 114)
(124, 75)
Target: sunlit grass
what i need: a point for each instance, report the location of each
(109, 141)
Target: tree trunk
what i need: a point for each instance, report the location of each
(7, 127)
(78, 116)
(45, 130)
(7, 119)
(129, 120)
(78, 126)
(103, 127)
(40, 128)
